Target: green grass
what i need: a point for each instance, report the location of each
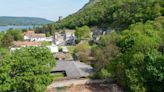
(71, 49)
(61, 89)
(45, 43)
(58, 76)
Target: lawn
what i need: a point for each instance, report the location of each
(71, 49)
(58, 76)
(45, 43)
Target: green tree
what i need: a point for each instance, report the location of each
(7, 40)
(16, 34)
(132, 67)
(83, 52)
(83, 33)
(27, 70)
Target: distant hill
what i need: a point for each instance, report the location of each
(7, 20)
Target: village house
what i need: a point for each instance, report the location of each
(20, 44)
(65, 38)
(59, 39)
(27, 35)
(32, 36)
(26, 44)
(70, 37)
(53, 48)
(38, 37)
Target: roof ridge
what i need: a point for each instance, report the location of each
(77, 68)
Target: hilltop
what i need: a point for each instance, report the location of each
(9, 20)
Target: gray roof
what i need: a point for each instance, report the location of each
(73, 69)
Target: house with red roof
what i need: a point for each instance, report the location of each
(38, 37)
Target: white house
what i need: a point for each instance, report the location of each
(28, 34)
(32, 36)
(38, 37)
(53, 48)
(49, 39)
(20, 44)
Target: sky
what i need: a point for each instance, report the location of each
(49, 9)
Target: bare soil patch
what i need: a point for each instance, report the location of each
(108, 87)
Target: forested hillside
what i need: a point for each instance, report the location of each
(23, 21)
(113, 13)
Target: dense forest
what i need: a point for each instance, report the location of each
(113, 13)
(5, 21)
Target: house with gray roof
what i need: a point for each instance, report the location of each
(73, 69)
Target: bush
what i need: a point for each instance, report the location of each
(102, 74)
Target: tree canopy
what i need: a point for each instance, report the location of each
(27, 70)
(138, 62)
(82, 33)
(118, 14)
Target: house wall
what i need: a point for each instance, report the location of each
(53, 49)
(38, 39)
(26, 38)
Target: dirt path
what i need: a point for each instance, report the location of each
(83, 85)
(67, 83)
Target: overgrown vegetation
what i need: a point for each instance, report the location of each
(134, 58)
(82, 33)
(7, 38)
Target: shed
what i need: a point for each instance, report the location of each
(53, 49)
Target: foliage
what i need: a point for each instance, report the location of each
(45, 43)
(16, 34)
(118, 14)
(102, 55)
(27, 70)
(82, 52)
(7, 40)
(3, 52)
(133, 57)
(82, 33)
(103, 74)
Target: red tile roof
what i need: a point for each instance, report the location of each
(38, 35)
(30, 32)
(26, 43)
(33, 34)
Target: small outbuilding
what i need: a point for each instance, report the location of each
(53, 48)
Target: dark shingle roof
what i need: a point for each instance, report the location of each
(73, 69)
